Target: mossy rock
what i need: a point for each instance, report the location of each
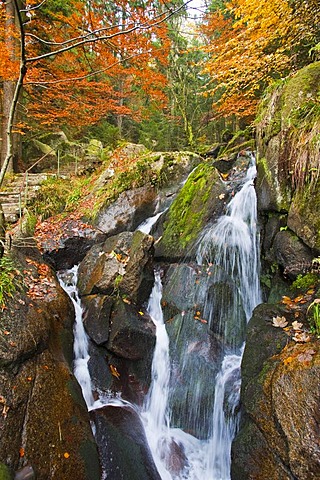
(287, 136)
(5, 473)
(198, 201)
(304, 218)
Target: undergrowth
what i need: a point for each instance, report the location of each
(10, 279)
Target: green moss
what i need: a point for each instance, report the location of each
(304, 282)
(5, 473)
(10, 279)
(186, 213)
(306, 205)
(300, 93)
(264, 171)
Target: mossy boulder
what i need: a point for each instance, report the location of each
(199, 200)
(280, 388)
(288, 126)
(304, 218)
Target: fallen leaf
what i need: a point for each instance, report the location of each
(298, 299)
(21, 452)
(297, 325)
(306, 356)
(66, 455)
(279, 322)
(114, 371)
(288, 360)
(301, 337)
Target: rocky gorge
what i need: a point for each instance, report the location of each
(45, 424)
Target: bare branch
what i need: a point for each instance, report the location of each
(83, 41)
(88, 75)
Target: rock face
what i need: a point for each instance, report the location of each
(278, 436)
(122, 436)
(44, 421)
(288, 155)
(115, 280)
(128, 211)
(280, 397)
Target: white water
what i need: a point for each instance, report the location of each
(145, 227)
(68, 282)
(231, 244)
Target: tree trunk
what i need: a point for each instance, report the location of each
(8, 93)
(2, 231)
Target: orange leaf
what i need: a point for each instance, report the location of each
(66, 455)
(21, 452)
(114, 371)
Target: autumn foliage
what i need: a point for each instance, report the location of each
(86, 61)
(250, 43)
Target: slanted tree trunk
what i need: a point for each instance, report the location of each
(8, 93)
(2, 231)
(11, 104)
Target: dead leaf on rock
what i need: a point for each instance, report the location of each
(279, 322)
(297, 325)
(301, 337)
(306, 356)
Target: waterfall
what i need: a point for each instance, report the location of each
(68, 281)
(229, 249)
(155, 410)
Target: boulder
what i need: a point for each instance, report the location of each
(291, 253)
(128, 211)
(123, 264)
(132, 332)
(96, 317)
(201, 199)
(280, 389)
(124, 450)
(72, 246)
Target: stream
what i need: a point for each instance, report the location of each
(229, 248)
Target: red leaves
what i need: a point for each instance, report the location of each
(41, 285)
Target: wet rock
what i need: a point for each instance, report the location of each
(128, 211)
(291, 254)
(123, 264)
(125, 452)
(72, 248)
(96, 317)
(196, 355)
(132, 332)
(280, 390)
(201, 199)
(43, 415)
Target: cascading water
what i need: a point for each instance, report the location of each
(229, 251)
(68, 281)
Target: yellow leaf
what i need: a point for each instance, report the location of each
(66, 455)
(114, 371)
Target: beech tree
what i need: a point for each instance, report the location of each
(73, 54)
(250, 43)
